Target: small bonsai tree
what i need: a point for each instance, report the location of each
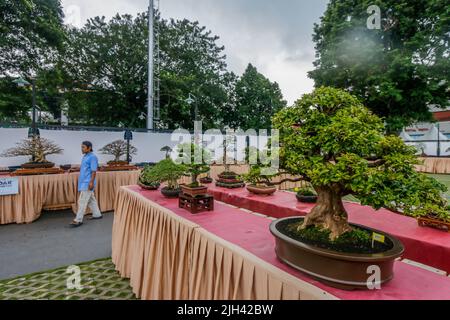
(166, 171)
(118, 149)
(256, 178)
(148, 178)
(187, 155)
(36, 148)
(331, 140)
(167, 150)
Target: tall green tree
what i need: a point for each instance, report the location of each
(257, 99)
(398, 70)
(105, 67)
(32, 33)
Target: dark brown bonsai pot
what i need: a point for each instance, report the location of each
(206, 180)
(262, 190)
(144, 186)
(306, 199)
(193, 191)
(347, 271)
(170, 193)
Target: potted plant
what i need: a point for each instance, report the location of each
(167, 150)
(195, 160)
(257, 182)
(228, 179)
(307, 195)
(118, 149)
(169, 172)
(148, 180)
(37, 149)
(332, 141)
(207, 179)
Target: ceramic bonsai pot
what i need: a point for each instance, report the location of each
(306, 199)
(170, 193)
(149, 187)
(347, 271)
(38, 165)
(193, 191)
(206, 180)
(261, 190)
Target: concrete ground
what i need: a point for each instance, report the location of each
(48, 244)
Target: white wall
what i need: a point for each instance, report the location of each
(148, 144)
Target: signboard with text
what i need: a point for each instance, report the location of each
(9, 186)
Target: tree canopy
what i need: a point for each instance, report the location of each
(399, 70)
(333, 141)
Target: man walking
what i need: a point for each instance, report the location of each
(86, 185)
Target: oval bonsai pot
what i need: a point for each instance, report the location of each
(149, 187)
(348, 271)
(170, 193)
(306, 199)
(266, 190)
(38, 165)
(206, 180)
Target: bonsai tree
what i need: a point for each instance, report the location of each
(256, 178)
(118, 149)
(148, 178)
(193, 167)
(165, 171)
(167, 150)
(331, 140)
(36, 148)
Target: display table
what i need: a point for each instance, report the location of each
(424, 245)
(435, 165)
(226, 254)
(55, 192)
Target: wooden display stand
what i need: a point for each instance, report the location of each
(196, 204)
(37, 171)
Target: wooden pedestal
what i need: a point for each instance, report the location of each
(196, 204)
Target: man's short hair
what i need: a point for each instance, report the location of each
(88, 144)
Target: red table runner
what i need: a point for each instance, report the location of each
(424, 245)
(251, 232)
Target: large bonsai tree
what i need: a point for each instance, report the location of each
(36, 148)
(331, 140)
(118, 149)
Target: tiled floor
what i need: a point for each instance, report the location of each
(98, 280)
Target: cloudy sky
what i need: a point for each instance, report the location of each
(273, 35)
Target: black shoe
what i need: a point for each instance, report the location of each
(95, 218)
(75, 224)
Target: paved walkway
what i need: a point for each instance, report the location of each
(95, 280)
(48, 244)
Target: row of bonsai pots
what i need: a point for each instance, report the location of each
(329, 139)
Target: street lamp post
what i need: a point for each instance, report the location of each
(21, 82)
(190, 101)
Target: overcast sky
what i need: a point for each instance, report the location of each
(273, 35)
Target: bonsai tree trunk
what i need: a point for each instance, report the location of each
(194, 178)
(329, 213)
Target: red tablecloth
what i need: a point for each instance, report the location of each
(424, 245)
(252, 233)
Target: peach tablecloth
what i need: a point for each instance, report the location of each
(169, 257)
(435, 165)
(59, 191)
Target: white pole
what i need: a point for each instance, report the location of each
(151, 46)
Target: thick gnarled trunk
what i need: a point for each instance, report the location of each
(329, 213)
